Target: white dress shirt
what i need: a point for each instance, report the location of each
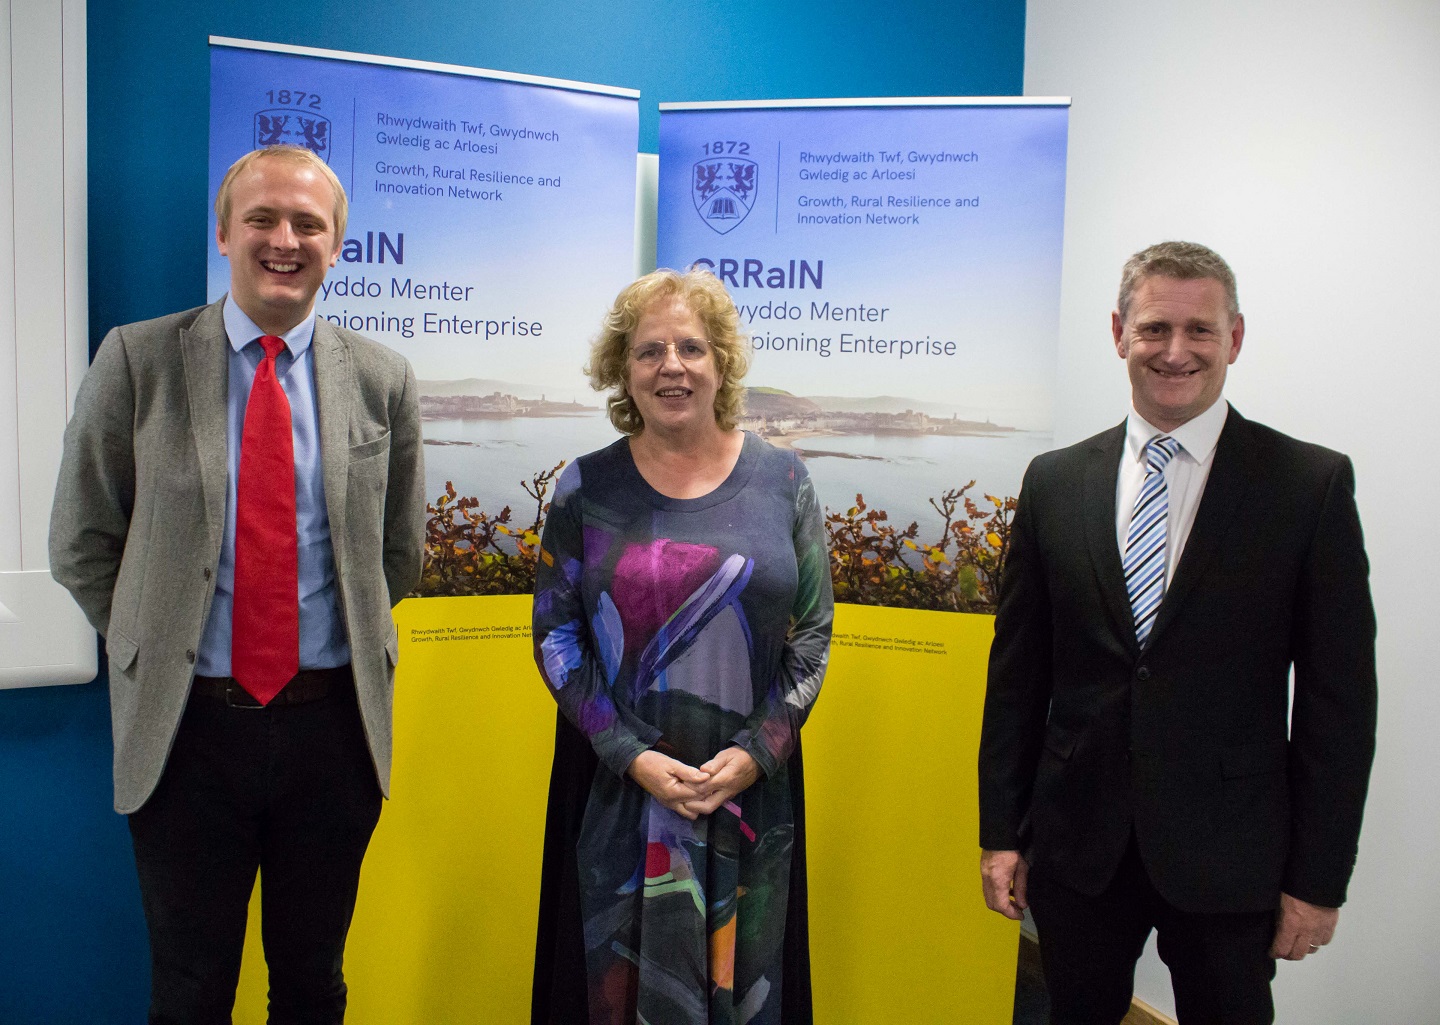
(1185, 476)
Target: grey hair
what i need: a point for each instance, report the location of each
(1185, 261)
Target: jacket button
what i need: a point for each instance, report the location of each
(206, 572)
(190, 656)
(1142, 674)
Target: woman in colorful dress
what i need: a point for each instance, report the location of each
(682, 623)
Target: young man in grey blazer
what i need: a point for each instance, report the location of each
(1140, 763)
(222, 767)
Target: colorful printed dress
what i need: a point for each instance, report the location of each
(683, 625)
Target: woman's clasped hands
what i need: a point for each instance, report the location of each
(691, 791)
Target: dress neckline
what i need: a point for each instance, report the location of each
(722, 492)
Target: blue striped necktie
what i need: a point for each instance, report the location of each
(1144, 561)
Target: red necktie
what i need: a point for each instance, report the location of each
(265, 626)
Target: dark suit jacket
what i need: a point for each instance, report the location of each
(1086, 736)
(139, 516)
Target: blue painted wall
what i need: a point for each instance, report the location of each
(72, 940)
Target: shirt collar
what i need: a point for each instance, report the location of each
(241, 330)
(1197, 437)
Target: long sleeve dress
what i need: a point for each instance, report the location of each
(683, 625)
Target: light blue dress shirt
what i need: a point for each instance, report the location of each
(323, 642)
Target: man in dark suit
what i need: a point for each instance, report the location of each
(239, 505)
(1137, 767)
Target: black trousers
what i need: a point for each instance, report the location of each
(1220, 965)
(289, 790)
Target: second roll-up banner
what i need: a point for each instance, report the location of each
(897, 264)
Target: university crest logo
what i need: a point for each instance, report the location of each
(280, 126)
(723, 189)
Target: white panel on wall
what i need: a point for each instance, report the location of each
(44, 345)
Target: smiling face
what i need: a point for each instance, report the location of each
(280, 239)
(673, 397)
(1177, 341)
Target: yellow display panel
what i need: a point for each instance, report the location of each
(898, 929)
(444, 930)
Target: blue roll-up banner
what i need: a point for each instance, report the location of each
(897, 263)
(492, 221)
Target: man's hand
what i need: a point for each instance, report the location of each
(1301, 929)
(674, 784)
(731, 773)
(1002, 876)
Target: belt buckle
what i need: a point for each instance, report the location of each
(237, 696)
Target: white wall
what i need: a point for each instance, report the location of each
(1302, 141)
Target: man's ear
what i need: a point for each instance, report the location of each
(1237, 337)
(220, 239)
(1117, 329)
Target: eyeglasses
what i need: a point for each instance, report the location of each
(652, 354)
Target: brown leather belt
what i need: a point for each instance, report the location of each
(306, 685)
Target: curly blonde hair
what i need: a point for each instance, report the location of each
(702, 294)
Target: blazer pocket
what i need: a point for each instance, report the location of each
(1061, 745)
(392, 645)
(368, 449)
(122, 651)
(1252, 759)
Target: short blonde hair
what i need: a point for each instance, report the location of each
(703, 295)
(297, 155)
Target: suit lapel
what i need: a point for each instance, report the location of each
(333, 390)
(205, 352)
(1102, 463)
(1224, 489)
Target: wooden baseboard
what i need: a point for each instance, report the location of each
(1141, 1013)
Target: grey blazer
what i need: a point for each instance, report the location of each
(139, 516)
